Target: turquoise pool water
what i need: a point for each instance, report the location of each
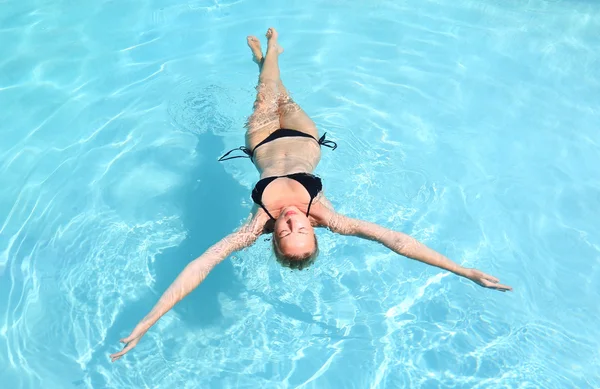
(472, 125)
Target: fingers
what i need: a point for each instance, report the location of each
(502, 288)
(117, 356)
(127, 339)
(490, 281)
(491, 278)
(495, 285)
(128, 346)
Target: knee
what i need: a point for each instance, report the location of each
(267, 82)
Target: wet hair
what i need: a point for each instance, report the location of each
(296, 261)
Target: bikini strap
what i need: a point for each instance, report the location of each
(327, 143)
(277, 134)
(265, 209)
(246, 151)
(309, 204)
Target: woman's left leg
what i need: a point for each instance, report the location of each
(291, 115)
(265, 118)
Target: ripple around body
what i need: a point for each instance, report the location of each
(469, 125)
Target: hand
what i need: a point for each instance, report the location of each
(322, 213)
(130, 342)
(485, 280)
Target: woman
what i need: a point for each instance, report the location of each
(283, 143)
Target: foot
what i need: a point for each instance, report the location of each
(257, 55)
(272, 44)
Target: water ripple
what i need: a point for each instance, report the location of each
(470, 125)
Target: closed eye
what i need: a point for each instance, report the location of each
(285, 233)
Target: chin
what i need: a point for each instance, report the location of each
(290, 208)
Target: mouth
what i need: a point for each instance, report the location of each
(289, 213)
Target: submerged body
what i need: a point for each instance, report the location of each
(284, 145)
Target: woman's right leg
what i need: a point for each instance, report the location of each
(265, 118)
(290, 114)
(293, 117)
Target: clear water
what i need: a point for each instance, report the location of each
(472, 125)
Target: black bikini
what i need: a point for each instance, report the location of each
(281, 133)
(310, 182)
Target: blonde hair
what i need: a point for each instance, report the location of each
(296, 261)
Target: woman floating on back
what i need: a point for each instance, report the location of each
(285, 146)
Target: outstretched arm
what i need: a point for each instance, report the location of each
(409, 247)
(193, 274)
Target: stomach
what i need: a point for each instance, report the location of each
(287, 155)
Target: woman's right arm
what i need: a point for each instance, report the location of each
(193, 274)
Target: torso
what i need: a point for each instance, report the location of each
(284, 156)
(287, 155)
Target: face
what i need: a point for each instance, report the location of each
(293, 233)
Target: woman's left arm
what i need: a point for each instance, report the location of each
(409, 247)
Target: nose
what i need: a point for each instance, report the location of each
(292, 224)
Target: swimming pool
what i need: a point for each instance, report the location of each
(471, 125)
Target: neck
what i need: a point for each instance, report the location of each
(320, 214)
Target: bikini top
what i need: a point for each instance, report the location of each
(310, 182)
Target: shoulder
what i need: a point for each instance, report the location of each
(321, 211)
(323, 201)
(257, 222)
